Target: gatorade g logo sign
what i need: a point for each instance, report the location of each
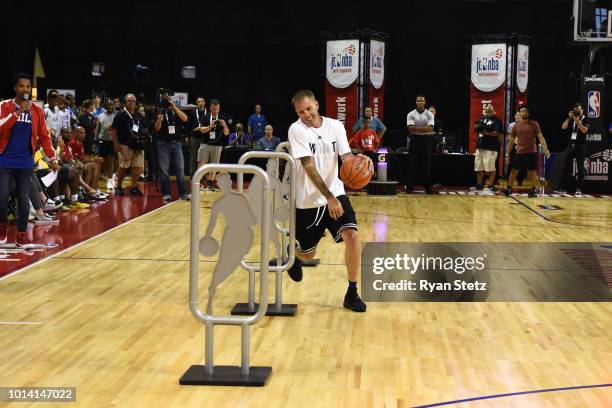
(594, 104)
(342, 62)
(488, 66)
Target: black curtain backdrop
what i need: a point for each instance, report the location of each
(262, 52)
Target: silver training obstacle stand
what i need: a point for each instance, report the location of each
(239, 218)
(281, 214)
(286, 147)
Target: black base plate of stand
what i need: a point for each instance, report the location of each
(311, 262)
(287, 309)
(226, 375)
(382, 188)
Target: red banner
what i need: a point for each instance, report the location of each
(341, 104)
(520, 100)
(478, 101)
(375, 101)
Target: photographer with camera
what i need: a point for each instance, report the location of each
(576, 127)
(169, 131)
(128, 140)
(215, 131)
(490, 133)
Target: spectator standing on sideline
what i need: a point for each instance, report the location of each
(490, 131)
(105, 143)
(437, 127)
(375, 123)
(197, 117)
(524, 135)
(576, 127)
(420, 124)
(169, 132)
(128, 140)
(257, 124)
(89, 123)
(214, 133)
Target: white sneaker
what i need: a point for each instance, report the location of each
(578, 191)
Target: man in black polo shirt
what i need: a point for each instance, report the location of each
(214, 136)
(576, 127)
(168, 128)
(489, 129)
(128, 140)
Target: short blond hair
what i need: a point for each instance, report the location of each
(299, 95)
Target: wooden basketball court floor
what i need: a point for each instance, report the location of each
(110, 317)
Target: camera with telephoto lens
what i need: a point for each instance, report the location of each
(162, 98)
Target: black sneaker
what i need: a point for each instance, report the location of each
(507, 192)
(295, 272)
(135, 192)
(532, 193)
(119, 191)
(353, 301)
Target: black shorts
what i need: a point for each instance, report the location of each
(311, 224)
(525, 161)
(106, 148)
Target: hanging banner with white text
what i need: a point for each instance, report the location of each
(488, 79)
(341, 72)
(377, 78)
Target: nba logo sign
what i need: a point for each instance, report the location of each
(594, 105)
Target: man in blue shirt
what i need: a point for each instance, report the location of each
(269, 141)
(257, 124)
(375, 123)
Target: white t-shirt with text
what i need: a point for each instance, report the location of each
(324, 144)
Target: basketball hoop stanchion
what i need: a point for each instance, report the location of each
(278, 308)
(209, 374)
(286, 146)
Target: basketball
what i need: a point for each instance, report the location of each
(355, 173)
(208, 246)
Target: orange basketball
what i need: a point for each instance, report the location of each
(355, 173)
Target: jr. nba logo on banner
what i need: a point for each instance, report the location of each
(594, 106)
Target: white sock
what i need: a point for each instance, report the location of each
(74, 198)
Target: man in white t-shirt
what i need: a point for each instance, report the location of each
(316, 142)
(52, 114)
(420, 124)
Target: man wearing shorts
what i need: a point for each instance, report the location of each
(128, 123)
(489, 129)
(214, 133)
(524, 136)
(316, 142)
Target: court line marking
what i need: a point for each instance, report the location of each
(511, 394)
(25, 323)
(545, 218)
(568, 226)
(25, 268)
